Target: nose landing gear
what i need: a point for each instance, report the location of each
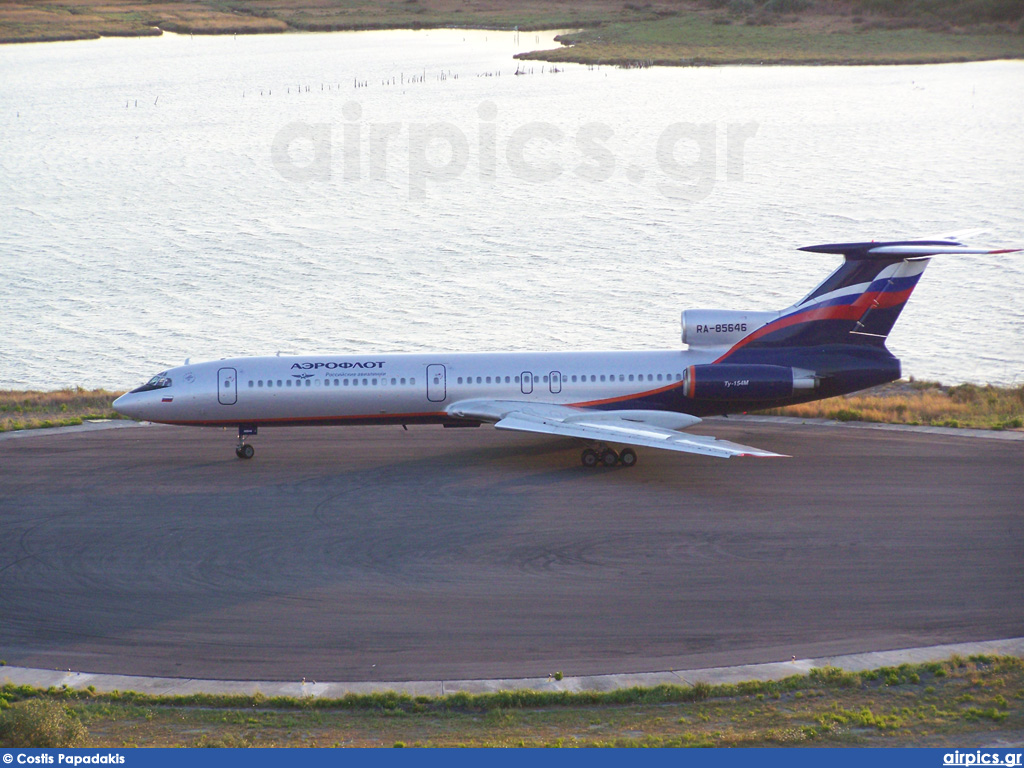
(243, 450)
(606, 457)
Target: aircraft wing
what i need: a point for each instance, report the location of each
(652, 429)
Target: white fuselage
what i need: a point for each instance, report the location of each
(368, 388)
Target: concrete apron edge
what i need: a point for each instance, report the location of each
(985, 434)
(173, 686)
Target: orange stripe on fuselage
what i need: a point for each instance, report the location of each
(397, 417)
(624, 398)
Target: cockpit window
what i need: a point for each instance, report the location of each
(160, 381)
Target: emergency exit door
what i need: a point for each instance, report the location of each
(436, 385)
(227, 386)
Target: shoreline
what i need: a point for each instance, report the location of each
(606, 33)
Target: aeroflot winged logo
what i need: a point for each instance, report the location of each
(332, 365)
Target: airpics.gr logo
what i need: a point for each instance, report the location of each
(330, 366)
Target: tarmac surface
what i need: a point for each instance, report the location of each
(372, 554)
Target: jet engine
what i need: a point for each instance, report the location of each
(745, 382)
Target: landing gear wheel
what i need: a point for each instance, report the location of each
(589, 457)
(609, 457)
(628, 457)
(245, 451)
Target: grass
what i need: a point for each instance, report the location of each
(62, 408)
(956, 702)
(922, 403)
(663, 32)
(704, 39)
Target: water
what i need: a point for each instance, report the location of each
(177, 197)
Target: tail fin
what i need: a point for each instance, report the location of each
(860, 302)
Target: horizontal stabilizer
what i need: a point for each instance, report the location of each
(910, 249)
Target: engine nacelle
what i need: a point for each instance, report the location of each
(745, 382)
(721, 327)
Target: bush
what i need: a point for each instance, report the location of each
(42, 724)
(847, 414)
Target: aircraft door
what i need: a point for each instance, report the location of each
(526, 382)
(227, 386)
(555, 382)
(437, 389)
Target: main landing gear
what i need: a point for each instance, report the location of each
(606, 457)
(243, 450)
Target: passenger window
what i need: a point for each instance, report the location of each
(259, 383)
(403, 381)
(545, 378)
(517, 379)
(393, 382)
(412, 381)
(507, 380)
(602, 377)
(622, 377)
(374, 382)
(479, 380)
(488, 379)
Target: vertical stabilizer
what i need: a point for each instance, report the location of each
(860, 302)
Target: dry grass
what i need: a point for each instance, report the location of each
(922, 403)
(952, 703)
(65, 407)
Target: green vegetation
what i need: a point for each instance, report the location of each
(701, 38)
(40, 722)
(922, 403)
(609, 31)
(63, 408)
(931, 704)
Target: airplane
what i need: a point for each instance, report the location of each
(831, 342)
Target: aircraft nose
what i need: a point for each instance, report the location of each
(127, 405)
